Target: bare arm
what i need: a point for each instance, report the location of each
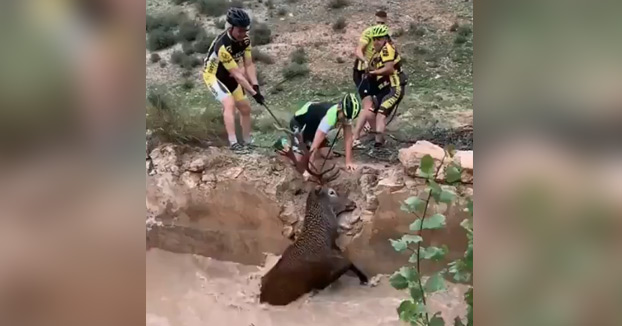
(358, 52)
(238, 74)
(317, 142)
(251, 70)
(347, 130)
(388, 69)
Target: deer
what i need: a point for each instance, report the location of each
(313, 261)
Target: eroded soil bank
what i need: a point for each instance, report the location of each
(192, 290)
(216, 217)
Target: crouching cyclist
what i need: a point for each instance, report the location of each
(228, 81)
(387, 85)
(316, 119)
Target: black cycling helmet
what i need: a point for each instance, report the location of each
(351, 106)
(238, 17)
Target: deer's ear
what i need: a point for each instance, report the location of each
(317, 189)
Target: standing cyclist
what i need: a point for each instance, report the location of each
(316, 119)
(387, 84)
(228, 81)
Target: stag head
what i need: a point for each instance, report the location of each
(304, 163)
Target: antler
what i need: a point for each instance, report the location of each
(305, 163)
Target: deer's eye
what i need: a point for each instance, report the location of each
(332, 193)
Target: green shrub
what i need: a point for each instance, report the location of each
(187, 73)
(465, 30)
(167, 21)
(270, 4)
(160, 39)
(398, 32)
(188, 62)
(294, 70)
(154, 57)
(187, 84)
(282, 11)
(416, 30)
(162, 64)
(178, 2)
(187, 48)
(177, 57)
(261, 34)
(340, 24)
(188, 31)
(220, 23)
(259, 56)
(298, 56)
(336, 4)
(292, 1)
(213, 8)
(460, 39)
(157, 99)
(340, 60)
(203, 42)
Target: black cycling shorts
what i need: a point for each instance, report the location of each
(307, 135)
(361, 83)
(387, 99)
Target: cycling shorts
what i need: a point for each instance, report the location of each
(221, 88)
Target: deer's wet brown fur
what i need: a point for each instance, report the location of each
(313, 261)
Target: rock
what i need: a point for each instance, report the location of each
(197, 165)
(391, 183)
(411, 157)
(190, 179)
(209, 177)
(371, 202)
(465, 159)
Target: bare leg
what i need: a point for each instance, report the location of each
(381, 123)
(229, 117)
(245, 119)
(360, 123)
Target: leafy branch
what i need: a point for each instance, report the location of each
(414, 310)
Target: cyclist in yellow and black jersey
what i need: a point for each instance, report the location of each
(228, 81)
(363, 53)
(387, 84)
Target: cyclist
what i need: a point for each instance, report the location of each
(387, 84)
(229, 82)
(316, 119)
(363, 53)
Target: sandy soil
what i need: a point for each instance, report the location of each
(189, 290)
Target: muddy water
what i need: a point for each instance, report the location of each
(191, 290)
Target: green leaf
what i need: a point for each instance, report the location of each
(401, 244)
(470, 207)
(398, 245)
(446, 196)
(427, 165)
(406, 310)
(453, 174)
(435, 190)
(450, 150)
(416, 293)
(413, 258)
(436, 320)
(409, 273)
(434, 253)
(398, 281)
(414, 204)
(411, 238)
(436, 221)
(435, 283)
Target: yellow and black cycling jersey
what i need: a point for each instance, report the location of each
(387, 54)
(225, 54)
(368, 51)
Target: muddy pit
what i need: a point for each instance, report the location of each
(216, 223)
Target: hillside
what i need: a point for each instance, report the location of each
(434, 37)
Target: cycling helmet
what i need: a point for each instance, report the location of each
(379, 31)
(238, 17)
(351, 106)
